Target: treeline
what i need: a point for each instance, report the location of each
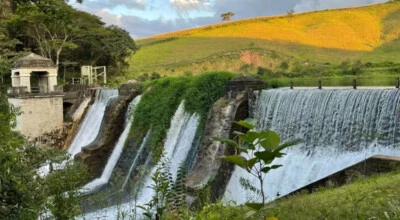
(53, 29)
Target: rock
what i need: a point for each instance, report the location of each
(219, 123)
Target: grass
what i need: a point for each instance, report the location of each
(364, 199)
(373, 198)
(369, 34)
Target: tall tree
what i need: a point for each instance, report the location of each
(51, 26)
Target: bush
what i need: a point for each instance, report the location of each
(264, 71)
(284, 65)
(163, 97)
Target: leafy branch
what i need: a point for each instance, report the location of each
(255, 150)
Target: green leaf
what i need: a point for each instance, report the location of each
(270, 140)
(247, 124)
(265, 155)
(251, 162)
(252, 136)
(287, 144)
(238, 133)
(236, 159)
(225, 140)
(255, 206)
(267, 169)
(275, 166)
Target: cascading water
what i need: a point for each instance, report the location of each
(136, 159)
(338, 128)
(90, 126)
(179, 140)
(112, 161)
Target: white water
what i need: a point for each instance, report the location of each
(88, 130)
(112, 161)
(136, 159)
(90, 126)
(176, 148)
(339, 128)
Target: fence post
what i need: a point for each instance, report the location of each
(291, 85)
(397, 82)
(354, 84)
(319, 84)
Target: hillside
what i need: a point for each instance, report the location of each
(369, 34)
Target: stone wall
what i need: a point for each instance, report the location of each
(40, 114)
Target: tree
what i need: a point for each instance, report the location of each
(8, 54)
(57, 31)
(227, 16)
(261, 148)
(290, 14)
(118, 45)
(23, 193)
(51, 25)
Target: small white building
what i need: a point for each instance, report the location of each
(34, 90)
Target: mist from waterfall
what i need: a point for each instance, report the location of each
(338, 127)
(178, 143)
(113, 159)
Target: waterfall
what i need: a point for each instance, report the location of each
(338, 128)
(112, 161)
(136, 159)
(88, 130)
(90, 126)
(176, 148)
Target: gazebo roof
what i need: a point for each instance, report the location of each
(34, 60)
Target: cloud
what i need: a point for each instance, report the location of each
(139, 27)
(189, 5)
(310, 5)
(136, 4)
(108, 18)
(91, 6)
(252, 8)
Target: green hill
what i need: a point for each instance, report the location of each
(325, 43)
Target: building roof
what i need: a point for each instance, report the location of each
(34, 60)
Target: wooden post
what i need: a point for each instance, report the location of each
(397, 83)
(291, 85)
(319, 84)
(354, 84)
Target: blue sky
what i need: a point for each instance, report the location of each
(143, 18)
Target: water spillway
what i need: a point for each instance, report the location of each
(177, 145)
(338, 128)
(91, 124)
(112, 160)
(88, 129)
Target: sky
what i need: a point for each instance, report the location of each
(144, 18)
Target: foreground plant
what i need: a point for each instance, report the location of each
(256, 150)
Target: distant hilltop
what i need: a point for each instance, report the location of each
(368, 33)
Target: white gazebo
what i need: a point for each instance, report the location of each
(34, 91)
(34, 73)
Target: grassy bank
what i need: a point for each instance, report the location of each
(373, 198)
